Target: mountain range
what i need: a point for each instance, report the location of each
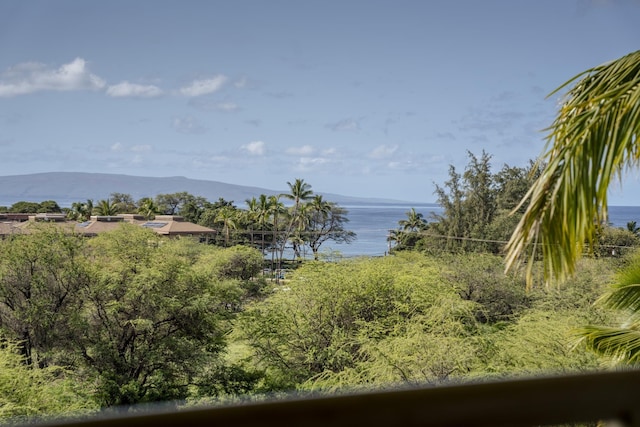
(68, 187)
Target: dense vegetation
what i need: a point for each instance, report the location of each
(129, 317)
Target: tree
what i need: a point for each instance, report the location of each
(124, 201)
(81, 211)
(24, 207)
(49, 206)
(228, 216)
(106, 208)
(469, 206)
(326, 223)
(593, 138)
(150, 308)
(148, 208)
(41, 275)
(632, 226)
(299, 191)
(620, 343)
(29, 394)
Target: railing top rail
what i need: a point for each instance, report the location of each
(522, 402)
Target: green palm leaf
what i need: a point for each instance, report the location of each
(620, 344)
(593, 138)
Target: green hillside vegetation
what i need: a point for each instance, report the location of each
(130, 317)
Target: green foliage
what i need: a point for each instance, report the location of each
(25, 207)
(477, 207)
(614, 241)
(619, 344)
(149, 311)
(480, 278)
(41, 274)
(29, 393)
(330, 317)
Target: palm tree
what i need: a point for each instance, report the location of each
(106, 208)
(81, 211)
(593, 138)
(148, 208)
(415, 221)
(299, 191)
(632, 226)
(227, 215)
(276, 209)
(621, 343)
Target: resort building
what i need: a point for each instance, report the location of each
(165, 225)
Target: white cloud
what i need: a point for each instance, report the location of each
(126, 89)
(141, 148)
(345, 125)
(188, 125)
(32, 77)
(227, 106)
(203, 87)
(116, 147)
(305, 150)
(305, 164)
(255, 148)
(383, 151)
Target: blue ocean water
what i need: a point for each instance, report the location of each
(372, 225)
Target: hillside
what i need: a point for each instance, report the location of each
(69, 187)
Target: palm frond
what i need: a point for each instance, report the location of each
(593, 138)
(620, 344)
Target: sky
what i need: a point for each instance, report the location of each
(364, 98)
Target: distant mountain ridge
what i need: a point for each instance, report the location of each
(68, 187)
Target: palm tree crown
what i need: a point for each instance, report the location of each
(593, 138)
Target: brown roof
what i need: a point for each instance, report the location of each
(173, 225)
(170, 225)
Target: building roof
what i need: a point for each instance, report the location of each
(173, 225)
(167, 225)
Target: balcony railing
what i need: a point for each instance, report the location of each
(608, 396)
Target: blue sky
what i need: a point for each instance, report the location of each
(361, 97)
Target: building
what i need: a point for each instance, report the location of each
(165, 225)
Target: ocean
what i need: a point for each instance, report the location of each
(372, 225)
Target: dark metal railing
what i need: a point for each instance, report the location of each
(555, 400)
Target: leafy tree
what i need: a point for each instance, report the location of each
(332, 317)
(182, 203)
(29, 394)
(150, 308)
(469, 205)
(41, 274)
(49, 206)
(326, 221)
(124, 202)
(24, 207)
